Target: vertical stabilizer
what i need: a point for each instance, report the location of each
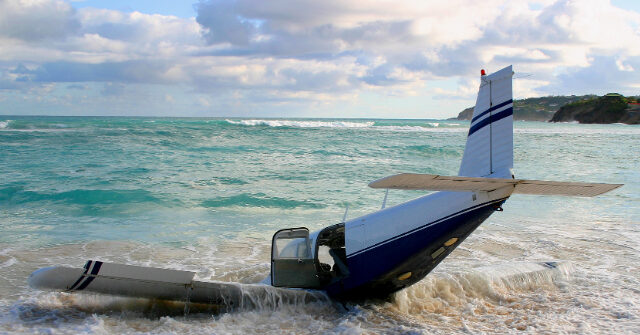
(489, 149)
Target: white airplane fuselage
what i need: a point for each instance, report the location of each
(397, 246)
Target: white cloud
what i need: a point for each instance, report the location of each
(321, 52)
(623, 66)
(37, 20)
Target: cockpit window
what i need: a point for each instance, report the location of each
(296, 248)
(292, 243)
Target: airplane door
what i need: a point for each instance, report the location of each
(292, 260)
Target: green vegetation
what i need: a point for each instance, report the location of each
(534, 109)
(610, 108)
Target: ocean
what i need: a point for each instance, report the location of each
(206, 195)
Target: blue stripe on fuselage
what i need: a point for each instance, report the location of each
(422, 227)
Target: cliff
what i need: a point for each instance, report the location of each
(533, 109)
(611, 108)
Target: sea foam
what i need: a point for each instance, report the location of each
(370, 125)
(302, 124)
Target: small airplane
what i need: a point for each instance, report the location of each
(371, 256)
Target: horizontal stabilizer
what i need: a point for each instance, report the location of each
(415, 181)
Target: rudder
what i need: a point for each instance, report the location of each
(489, 148)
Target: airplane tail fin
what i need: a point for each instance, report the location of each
(489, 148)
(488, 156)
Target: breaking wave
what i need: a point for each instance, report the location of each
(5, 124)
(502, 295)
(302, 124)
(429, 127)
(374, 125)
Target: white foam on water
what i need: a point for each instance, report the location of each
(302, 124)
(11, 261)
(41, 130)
(459, 296)
(435, 129)
(87, 314)
(368, 125)
(495, 299)
(5, 124)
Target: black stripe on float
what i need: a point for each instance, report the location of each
(86, 268)
(94, 273)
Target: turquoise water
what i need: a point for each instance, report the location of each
(206, 194)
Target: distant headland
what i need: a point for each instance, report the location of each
(610, 108)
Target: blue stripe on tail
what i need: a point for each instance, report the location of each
(493, 118)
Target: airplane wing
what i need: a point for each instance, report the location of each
(164, 284)
(416, 181)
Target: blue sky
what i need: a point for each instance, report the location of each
(179, 8)
(627, 4)
(305, 58)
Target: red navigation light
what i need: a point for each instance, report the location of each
(483, 73)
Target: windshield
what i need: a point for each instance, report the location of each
(297, 248)
(292, 243)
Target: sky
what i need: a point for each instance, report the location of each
(306, 58)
